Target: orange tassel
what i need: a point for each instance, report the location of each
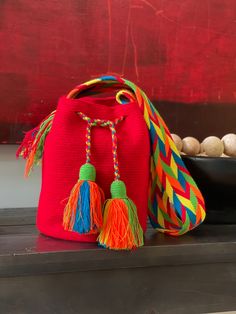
(121, 229)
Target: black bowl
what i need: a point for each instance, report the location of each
(216, 178)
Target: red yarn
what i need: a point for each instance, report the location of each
(26, 145)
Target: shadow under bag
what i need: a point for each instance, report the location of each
(108, 162)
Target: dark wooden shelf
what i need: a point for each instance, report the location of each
(23, 251)
(194, 273)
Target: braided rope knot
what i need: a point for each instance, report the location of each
(103, 123)
(100, 122)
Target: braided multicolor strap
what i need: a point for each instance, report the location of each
(102, 123)
(175, 203)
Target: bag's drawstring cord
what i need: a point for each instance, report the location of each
(114, 150)
(102, 123)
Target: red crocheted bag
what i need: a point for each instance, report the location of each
(91, 145)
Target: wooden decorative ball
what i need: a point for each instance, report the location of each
(213, 146)
(178, 141)
(229, 141)
(191, 146)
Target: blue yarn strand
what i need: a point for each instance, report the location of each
(82, 220)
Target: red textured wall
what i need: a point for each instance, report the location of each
(176, 50)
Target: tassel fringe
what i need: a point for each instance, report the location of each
(121, 228)
(83, 212)
(26, 145)
(33, 144)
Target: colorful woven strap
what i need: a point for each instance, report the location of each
(175, 203)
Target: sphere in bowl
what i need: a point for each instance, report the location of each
(178, 141)
(191, 146)
(229, 141)
(213, 146)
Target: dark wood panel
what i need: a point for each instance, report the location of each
(198, 119)
(22, 254)
(17, 216)
(188, 289)
(195, 273)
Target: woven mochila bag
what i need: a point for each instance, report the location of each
(108, 162)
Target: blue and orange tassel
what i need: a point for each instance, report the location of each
(83, 212)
